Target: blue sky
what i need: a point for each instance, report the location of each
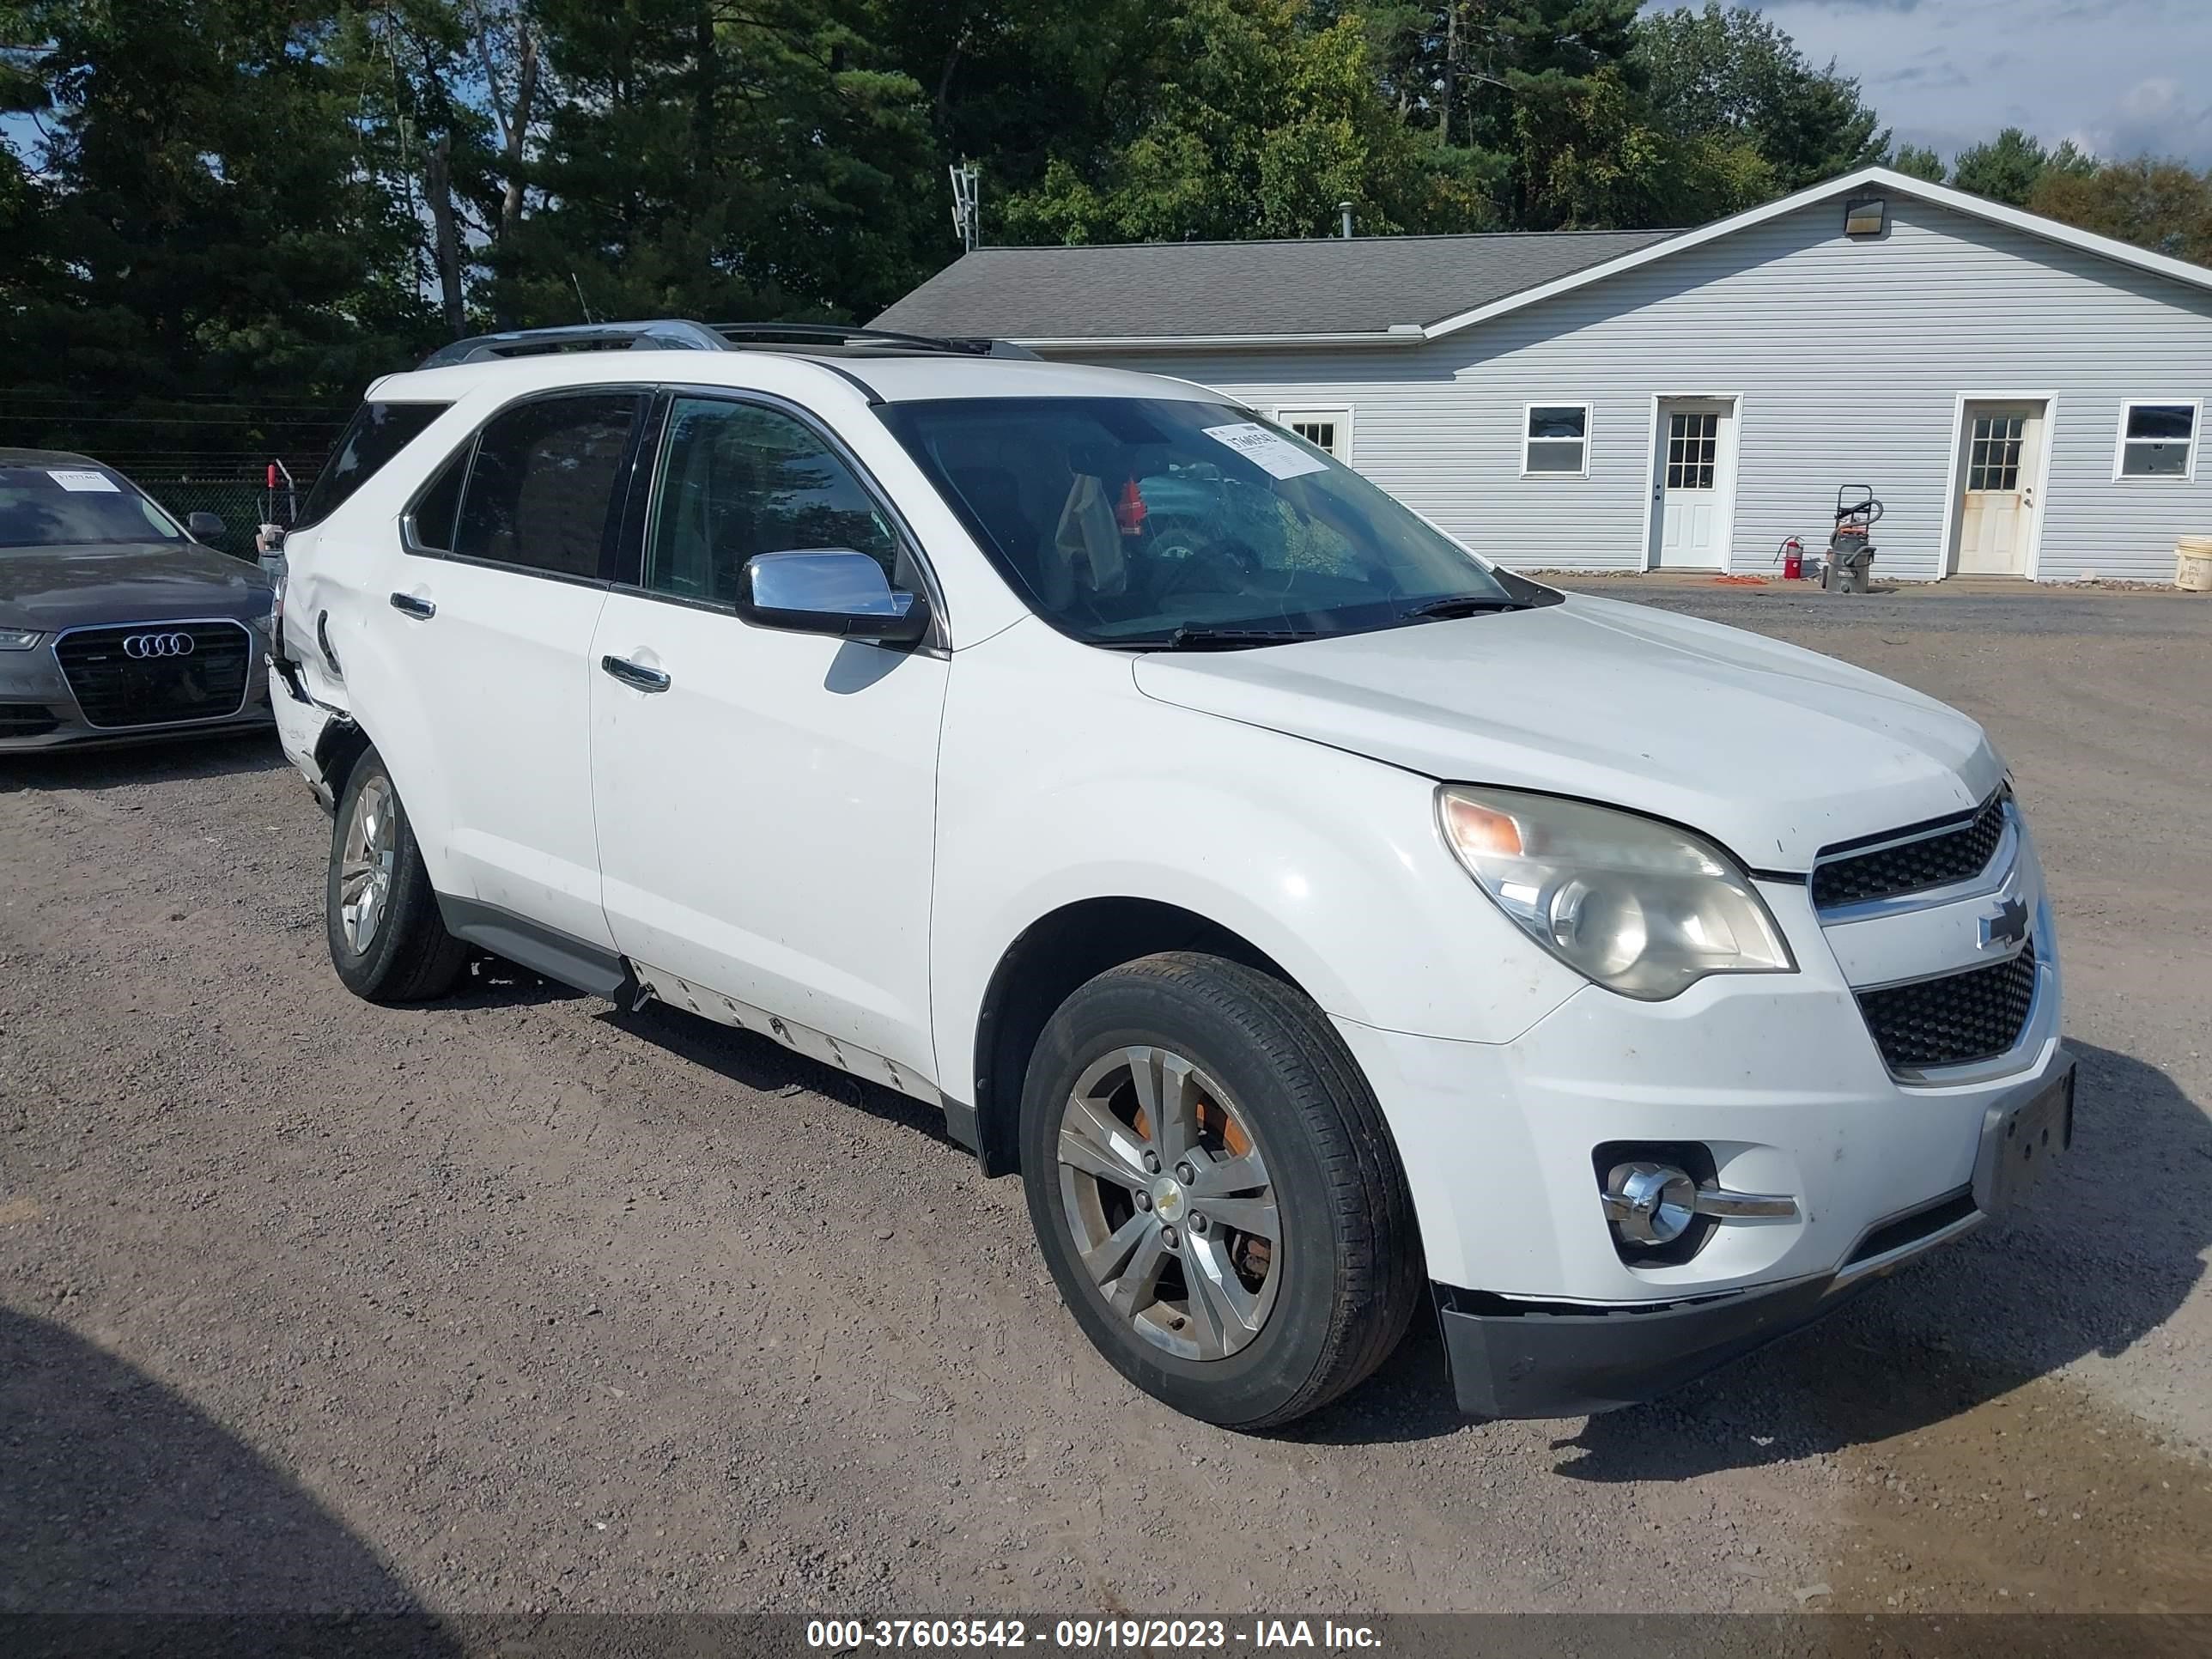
(2117, 77)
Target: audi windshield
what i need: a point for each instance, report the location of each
(1158, 523)
(77, 506)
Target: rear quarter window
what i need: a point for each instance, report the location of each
(376, 434)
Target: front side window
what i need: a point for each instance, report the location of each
(739, 479)
(541, 489)
(2158, 440)
(1556, 442)
(76, 505)
(376, 434)
(1140, 522)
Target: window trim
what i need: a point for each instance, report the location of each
(610, 547)
(1589, 420)
(1340, 413)
(646, 474)
(2120, 440)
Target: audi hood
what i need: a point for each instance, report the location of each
(1772, 751)
(51, 588)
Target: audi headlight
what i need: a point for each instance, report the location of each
(19, 639)
(1638, 906)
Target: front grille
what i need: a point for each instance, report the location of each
(1954, 1020)
(26, 720)
(1936, 860)
(115, 689)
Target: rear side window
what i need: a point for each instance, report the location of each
(541, 490)
(376, 434)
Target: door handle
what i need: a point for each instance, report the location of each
(407, 605)
(635, 675)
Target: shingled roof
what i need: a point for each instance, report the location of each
(1196, 290)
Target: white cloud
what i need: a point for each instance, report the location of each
(1950, 73)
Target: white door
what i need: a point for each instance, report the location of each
(490, 618)
(766, 822)
(2002, 447)
(1694, 483)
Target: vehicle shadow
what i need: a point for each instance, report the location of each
(756, 1062)
(135, 1524)
(2101, 1256)
(228, 756)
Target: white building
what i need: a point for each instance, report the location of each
(2026, 397)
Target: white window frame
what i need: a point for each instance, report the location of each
(1589, 420)
(2188, 473)
(1313, 414)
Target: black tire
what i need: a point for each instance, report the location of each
(409, 957)
(1350, 1248)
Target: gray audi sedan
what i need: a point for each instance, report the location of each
(117, 624)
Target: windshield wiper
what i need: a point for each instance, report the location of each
(1461, 605)
(1188, 638)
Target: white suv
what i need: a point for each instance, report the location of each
(1321, 919)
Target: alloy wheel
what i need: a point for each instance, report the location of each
(365, 862)
(1169, 1204)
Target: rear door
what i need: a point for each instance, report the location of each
(767, 809)
(490, 618)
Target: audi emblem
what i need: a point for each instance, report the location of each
(141, 647)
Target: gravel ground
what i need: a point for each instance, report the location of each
(519, 1303)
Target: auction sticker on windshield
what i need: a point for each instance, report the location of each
(1278, 455)
(84, 481)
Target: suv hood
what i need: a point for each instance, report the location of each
(53, 587)
(1774, 752)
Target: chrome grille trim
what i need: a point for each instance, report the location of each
(1877, 864)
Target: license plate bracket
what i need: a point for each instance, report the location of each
(2021, 1140)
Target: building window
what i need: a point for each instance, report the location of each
(1555, 442)
(2158, 440)
(1993, 458)
(1693, 447)
(1324, 428)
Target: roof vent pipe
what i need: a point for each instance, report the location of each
(1345, 208)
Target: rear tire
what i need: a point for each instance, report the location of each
(387, 940)
(1305, 1275)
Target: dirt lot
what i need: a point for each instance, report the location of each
(519, 1303)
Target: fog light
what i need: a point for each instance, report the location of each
(1651, 1203)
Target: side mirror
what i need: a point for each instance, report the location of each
(203, 526)
(834, 590)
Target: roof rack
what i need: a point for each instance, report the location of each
(680, 334)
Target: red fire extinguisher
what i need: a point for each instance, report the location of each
(1791, 556)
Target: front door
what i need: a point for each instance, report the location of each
(1693, 483)
(2001, 446)
(766, 816)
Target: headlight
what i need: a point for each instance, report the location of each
(19, 639)
(1638, 906)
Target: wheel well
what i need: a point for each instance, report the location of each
(338, 751)
(1039, 971)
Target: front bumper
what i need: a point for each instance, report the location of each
(1775, 1081)
(1513, 1357)
(39, 711)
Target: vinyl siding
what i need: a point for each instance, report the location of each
(1849, 359)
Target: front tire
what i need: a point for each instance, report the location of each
(1215, 1190)
(387, 940)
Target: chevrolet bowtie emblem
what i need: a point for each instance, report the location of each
(2007, 927)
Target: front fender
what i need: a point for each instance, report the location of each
(1072, 785)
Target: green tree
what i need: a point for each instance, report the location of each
(1734, 77)
(2004, 169)
(1242, 121)
(2162, 205)
(1919, 161)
